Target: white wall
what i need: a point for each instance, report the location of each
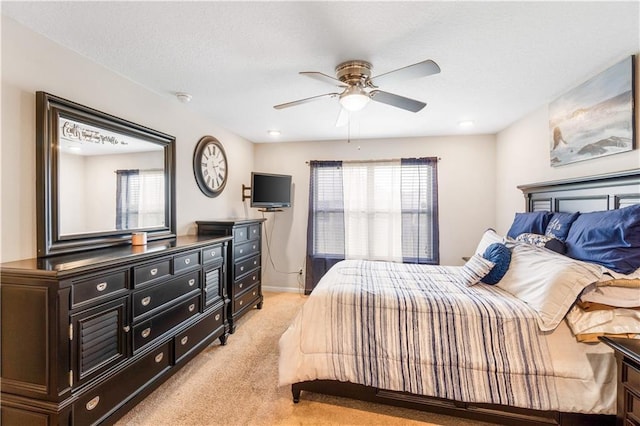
(466, 177)
(31, 63)
(522, 157)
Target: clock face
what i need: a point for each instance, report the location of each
(210, 166)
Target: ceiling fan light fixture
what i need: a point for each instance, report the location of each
(354, 98)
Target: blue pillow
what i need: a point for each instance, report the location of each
(610, 238)
(560, 224)
(501, 256)
(531, 223)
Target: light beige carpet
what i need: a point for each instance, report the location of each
(237, 384)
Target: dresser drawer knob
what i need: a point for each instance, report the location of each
(240, 285)
(154, 271)
(146, 332)
(254, 247)
(187, 261)
(126, 328)
(184, 340)
(254, 293)
(217, 317)
(101, 286)
(213, 253)
(240, 303)
(242, 268)
(146, 301)
(241, 251)
(255, 262)
(192, 307)
(159, 357)
(192, 281)
(93, 403)
(253, 278)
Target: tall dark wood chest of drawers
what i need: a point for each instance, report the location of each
(244, 262)
(86, 336)
(627, 352)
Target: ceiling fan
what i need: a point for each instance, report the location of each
(354, 77)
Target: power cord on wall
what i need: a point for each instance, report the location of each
(299, 273)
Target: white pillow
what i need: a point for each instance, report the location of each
(489, 237)
(613, 321)
(620, 297)
(547, 281)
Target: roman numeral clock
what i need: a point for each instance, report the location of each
(210, 166)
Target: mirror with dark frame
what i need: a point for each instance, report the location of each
(99, 178)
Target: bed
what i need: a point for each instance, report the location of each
(430, 338)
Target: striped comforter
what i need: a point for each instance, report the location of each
(419, 329)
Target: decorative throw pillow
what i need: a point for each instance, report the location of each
(545, 241)
(501, 256)
(532, 222)
(475, 269)
(560, 224)
(610, 238)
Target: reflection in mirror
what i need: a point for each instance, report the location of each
(108, 180)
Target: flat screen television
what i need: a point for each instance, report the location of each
(270, 191)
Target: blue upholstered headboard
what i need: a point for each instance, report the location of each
(594, 193)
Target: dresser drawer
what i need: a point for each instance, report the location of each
(98, 403)
(186, 261)
(246, 282)
(246, 266)
(631, 377)
(632, 407)
(211, 254)
(150, 298)
(147, 331)
(246, 299)
(243, 250)
(240, 234)
(151, 272)
(195, 334)
(98, 287)
(254, 232)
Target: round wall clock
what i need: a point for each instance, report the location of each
(210, 166)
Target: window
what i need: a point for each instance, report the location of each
(140, 198)
(377, 210)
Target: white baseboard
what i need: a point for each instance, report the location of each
(283, 289)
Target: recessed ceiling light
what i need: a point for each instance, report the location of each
(273, 132)
(466, 123)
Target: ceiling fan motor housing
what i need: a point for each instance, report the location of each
(354, 72)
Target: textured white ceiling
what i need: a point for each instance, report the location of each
(499, 60)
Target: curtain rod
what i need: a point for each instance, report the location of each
(371, 161)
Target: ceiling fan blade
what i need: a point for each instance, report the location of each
(396, 100)
(305, 100)
(343, 118)
(324, 78)
(421, 69)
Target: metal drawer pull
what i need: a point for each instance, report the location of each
(192, 281)
(241, 303)
(242, 268)
(255, 262)
(146, 301)
(241, 251)
(254, 293)
(217, 317)
(146, 332)
(159, 357)
(101, 286)
(254, 247)
(154, 271)
(93, 403)
(126, 328)
(192, 307)
(187, 261)
(253, 278)
(184, 340)
(213, 253)
(240, 285)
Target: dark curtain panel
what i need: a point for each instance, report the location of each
(127, 198)
(325, 227)
(419, 200)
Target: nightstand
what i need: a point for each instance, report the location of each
(627, 352)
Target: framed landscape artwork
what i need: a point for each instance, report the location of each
(594, 119)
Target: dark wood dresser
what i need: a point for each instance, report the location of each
(627, 353)
(86, 336)
(244, 262)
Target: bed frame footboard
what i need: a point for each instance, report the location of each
(493, 413)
